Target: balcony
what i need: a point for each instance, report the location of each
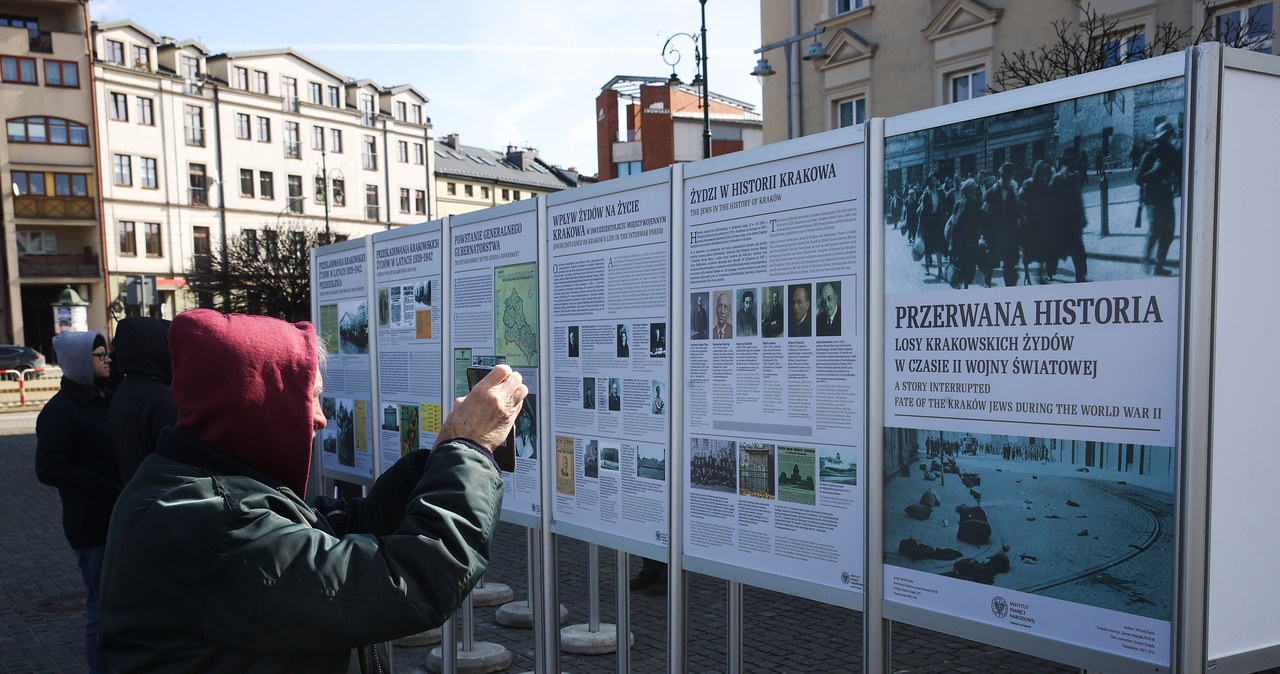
(32, 206)
(41, 42)
(290, 104)
(85, 264)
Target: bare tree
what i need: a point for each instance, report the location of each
(1098, 42)
(265, 271)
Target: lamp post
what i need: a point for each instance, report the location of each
(816, 52)
(671, 56)
(322, 180)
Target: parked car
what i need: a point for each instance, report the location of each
(20, 358)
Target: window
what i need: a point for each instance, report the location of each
(846, 6)
(28, 183)
(147, 173)
(404, 199)
(339, 192)
(119, 107)
(292, 140)
(965, 86)
(259, 82)
(193, 122)
(335, 101)
(240, 78)
(270, 245)
(371, 202)
(30, 23)
(1122, 47)
(128, 239)
(199, 184)
(246, 183)
(115, 52)
(294, 202)
(289, 91)
(851, 112)
(36, 242)
(50, 130)
(419, 154)
(17, 69)
(367, 109)
(61, 74)
(1249, 26)
(71, 184)
(484, 191)
(467, 190)
(402, 150)
(402, 111)
(200, 242)
(264, 130)
(622, 168)
(243, 132)
(506, 194)
(370, 152)
(123, 167)
(316, 91)
(317, 138)
(451, 189)
(141, 57)
(420, 202)
(417, 114)
(335, 135)
(266, 185)
(515, 195)
(297, 243)
(146, 111)
(189, 66)
(251, 242)
(151, 236)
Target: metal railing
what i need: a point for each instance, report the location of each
(29, 387)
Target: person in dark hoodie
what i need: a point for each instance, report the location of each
(73, 453)
(215, 563)
(142, 404)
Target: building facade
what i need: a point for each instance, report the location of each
(471, 178)
(643, 123)
(197, 148)
(48, 180)
(890, 58)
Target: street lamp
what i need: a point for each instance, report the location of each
(816, 53)
(671, 56)
(323, 179)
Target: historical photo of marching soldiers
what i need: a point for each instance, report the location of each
(1082, 521)
(1075, 191)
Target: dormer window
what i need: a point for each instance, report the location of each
(141, 57)
(190, 66)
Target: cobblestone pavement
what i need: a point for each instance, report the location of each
(41, 604)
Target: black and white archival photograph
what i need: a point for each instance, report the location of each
(1082, 521)
(712, 464)
(1075, 191)
(756, 461)
(699, 316)
(657, 340)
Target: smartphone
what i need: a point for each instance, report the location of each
(505, 454)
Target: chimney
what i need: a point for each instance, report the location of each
(521, 158)
(451, 141)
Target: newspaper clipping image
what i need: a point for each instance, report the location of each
(343, 325)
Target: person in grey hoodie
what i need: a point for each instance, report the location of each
(142, 404)
(73, 453)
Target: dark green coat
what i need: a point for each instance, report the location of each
(213, 566)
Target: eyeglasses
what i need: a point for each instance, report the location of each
(101, 356)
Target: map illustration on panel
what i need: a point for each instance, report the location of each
(515, 314)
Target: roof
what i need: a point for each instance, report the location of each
(284, 51)
(126, 23)
(487, 165)
(629, 85)
(407, 88)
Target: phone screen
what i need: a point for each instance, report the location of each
(505, 454)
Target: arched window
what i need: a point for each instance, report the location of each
(52, 130)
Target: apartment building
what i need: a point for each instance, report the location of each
(471, 178)
(881, 58)
(48, 180)
(198, 147)
(644, 123)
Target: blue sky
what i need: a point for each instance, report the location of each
(524, 72)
